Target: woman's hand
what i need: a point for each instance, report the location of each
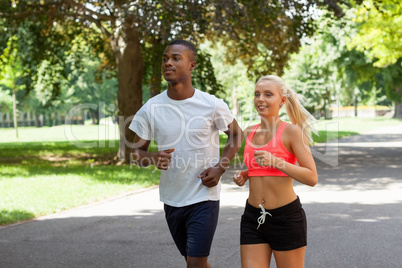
(264, 158)
(240, 177)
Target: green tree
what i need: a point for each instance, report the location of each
(379, 31)
(392, 82)
(11, 73)
(88, 82)
(379, 37)
(6, 100)
(233, 78)
(325, 71)
(358, 76)
(128, 27)
(312, 72)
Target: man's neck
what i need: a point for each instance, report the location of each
(180, 91)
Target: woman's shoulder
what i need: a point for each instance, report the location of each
(292, 129)
(291, 133)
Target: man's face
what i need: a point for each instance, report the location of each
(177, 63)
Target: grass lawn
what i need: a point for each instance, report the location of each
(43, 172)
(28, 191)
(74, 133)
(343, 127)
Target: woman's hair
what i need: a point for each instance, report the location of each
(297, 113)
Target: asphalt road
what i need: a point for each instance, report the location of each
(354, 218)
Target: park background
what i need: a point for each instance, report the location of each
(92, 64)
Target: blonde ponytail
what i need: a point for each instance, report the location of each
(297, 113)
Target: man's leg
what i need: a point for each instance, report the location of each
(198, 262)
(176, 218)
(201, 226)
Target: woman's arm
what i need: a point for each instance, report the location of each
(306, 172)
(240, 177)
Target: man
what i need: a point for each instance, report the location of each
(185, 124)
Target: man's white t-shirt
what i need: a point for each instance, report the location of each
(191, 127)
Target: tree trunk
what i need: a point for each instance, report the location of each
(91, 114)
(398, 110)
(156, 77)
(129, 73)
(15, 112)
(355, 104)
(94, 114)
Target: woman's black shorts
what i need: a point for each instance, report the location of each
(285, 230)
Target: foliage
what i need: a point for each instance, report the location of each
(11, 69)
(327, 71)
(49, 84)
(6, 101)
(379, 31)
(10, 76)
(51, 79)
(358, 76)
(260, 33)
(89, 81)
(312, 72)
(204, 75)
(379, 35)
(392, 81)
(233, 77)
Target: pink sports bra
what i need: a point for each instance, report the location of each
(275, 147)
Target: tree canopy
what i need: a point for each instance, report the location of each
(379, 31)
(130, 33)
(379, 35)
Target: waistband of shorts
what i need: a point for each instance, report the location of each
(285, 210)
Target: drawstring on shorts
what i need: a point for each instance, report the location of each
(261, 219)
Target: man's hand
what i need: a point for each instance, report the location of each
(211, 176)
(162, 159)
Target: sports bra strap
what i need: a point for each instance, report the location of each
(252, 133)
(281, 129)
(274, 139)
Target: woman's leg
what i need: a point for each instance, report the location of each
(290, 259)
(255, 256)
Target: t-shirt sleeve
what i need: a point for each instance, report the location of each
(140, 124)
(222, 116)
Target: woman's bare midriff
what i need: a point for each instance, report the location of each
(271, 192)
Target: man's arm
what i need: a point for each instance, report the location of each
(210, 177)
(143, 158)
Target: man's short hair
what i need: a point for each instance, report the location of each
(185, 43)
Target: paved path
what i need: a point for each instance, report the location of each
(354, 218)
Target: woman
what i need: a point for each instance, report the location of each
(274, 221)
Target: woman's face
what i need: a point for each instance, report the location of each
(267, 98)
